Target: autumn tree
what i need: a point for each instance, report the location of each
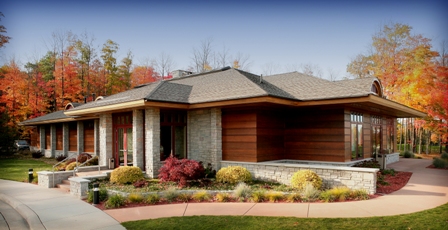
(3, 38)
(109, 50)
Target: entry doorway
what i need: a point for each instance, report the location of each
(123, 146)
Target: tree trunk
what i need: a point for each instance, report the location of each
(420, 141)
(428, 142)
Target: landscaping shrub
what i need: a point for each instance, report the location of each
(242, 191)
(71, 166)
(439, 163)
(294, 197)
(302, 177)
(37, 154)
(202, 195)
(223, 197)
(83, 157)
(35, 177)
(309, 192)
(274, 196)
(368, 164)
(115, 201)
(388, 172)
(171, 194)
(444, 156)
(126, 175)
(152, 199)
(94, 161)
(140, 183)
(259, 195)
(184, 197)
(102, 195)
(359, 194)
(135, 198)
(233, 175)
(60, 157)
(336, 193)
(209, 171)
(181, 171)
(408, 154)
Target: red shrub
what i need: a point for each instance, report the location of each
(181, 171)
(83, 157)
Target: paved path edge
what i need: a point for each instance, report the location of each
(29, 215)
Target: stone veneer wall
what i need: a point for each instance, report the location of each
(205, 136)
(351, 177)
(137, 138)
(152, 142)
(106, 139)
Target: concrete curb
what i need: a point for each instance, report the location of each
(29, 215)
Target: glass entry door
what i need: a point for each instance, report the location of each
(124, 146)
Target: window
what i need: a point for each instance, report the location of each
(376, 135)
(173, 134)
(356, 135)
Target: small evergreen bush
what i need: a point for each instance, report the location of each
(115, 201)
(152, 199)
(181, 171)
(439, 163)
(126, 175)
(259, 195)
(444, 156)
(201, 196)
(302, 177)
(233, 175)
(223, 197)
(388, 172)
(135, 198)
(408, 154)
(242, 191)
(102, 195)
(71, 166)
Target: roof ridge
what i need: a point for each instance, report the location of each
(200, 74)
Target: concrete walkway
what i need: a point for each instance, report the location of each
(427, 188)
(44, 208)
(25, 205)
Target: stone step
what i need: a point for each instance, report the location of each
(66, 182)
(64, 187)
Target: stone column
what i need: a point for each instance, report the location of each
(80, 131)
(65, 138)
(96, 133)
(137, 138)
(42, 138)
(106, 139)
(52, 151)
(216, 138)
(152, 141)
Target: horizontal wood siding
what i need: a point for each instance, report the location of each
(270, 135)
(89, 136)
(59, 137)
(315, 134)
(47, 137)
(239, 139)
(73, 136)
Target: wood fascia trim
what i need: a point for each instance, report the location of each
(107, 108)
(166, 105)
(333, 101)
(264, 99)
(396, 105)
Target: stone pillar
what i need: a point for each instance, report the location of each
(42, 138)
(80, 131)
(96, 133)
(137, 138)
(216, 138)
(65, 138)
(152, 142)
(52, 151)
(106, 139)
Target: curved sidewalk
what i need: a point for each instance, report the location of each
(44, 208)
(427, 188)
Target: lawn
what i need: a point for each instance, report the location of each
(16, 169)
(436, 218)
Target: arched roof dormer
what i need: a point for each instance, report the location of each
(71, 105)
(377, 88)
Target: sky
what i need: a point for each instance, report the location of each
(277, 36)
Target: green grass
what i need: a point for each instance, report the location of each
(17, 169)
(436, 218)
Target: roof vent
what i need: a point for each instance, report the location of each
(261, 78)
(225, 68)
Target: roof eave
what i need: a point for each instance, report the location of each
(106, 108)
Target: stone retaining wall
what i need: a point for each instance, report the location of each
(332, 176)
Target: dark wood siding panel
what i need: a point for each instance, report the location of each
(35, 137)
(239, 140)
(316, 134)
(47, 137)
(73, 137)
(89, 136)
(59, 137)
(270, 135)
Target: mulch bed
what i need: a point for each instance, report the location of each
(395, 182)
(433, 167)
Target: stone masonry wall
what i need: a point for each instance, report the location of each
(106, 139)
(152, 142)
(332, 176)
(137, 138)
(204, 136)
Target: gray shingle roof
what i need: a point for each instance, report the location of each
(47, 117)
